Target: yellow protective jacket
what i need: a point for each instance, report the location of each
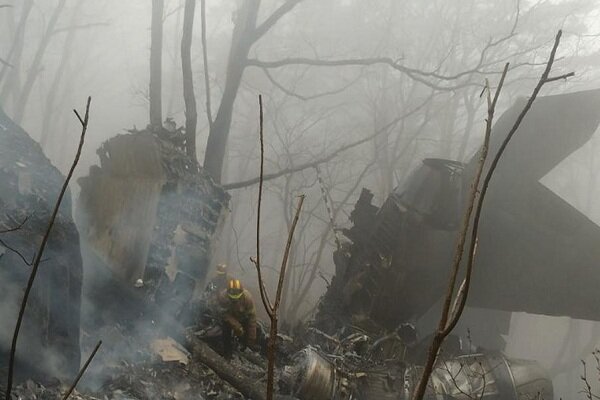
(239, 314)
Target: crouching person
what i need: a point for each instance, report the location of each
(239, 317)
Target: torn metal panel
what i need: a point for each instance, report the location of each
(149, 214)
(362, 371)
(530, 242)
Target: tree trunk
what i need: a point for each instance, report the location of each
(156, 37)
(242, 40)
(47, 122)
(174, 93)
(191, 116)
(16, 49)
(36, 65)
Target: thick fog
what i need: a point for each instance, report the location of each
(404, 75)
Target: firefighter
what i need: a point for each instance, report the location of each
(208, 308)
(238, 317)
(219, 282)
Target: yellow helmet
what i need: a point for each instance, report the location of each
(235, 289)
(221, 269)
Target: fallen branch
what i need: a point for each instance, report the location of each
(223, 368)
(36, 263)
(203, 353)
(82, 371)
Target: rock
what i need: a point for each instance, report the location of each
(29, 187)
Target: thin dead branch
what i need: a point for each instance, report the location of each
(38, 258)
(272, 342)
(79, 27)
(271, 308)
(3, 61)
(473, 247)
(414, 74)
(274, 18)
(82, 371)
(17, 252)
(326, 158)
(12, 249)
(291, 93)
(448, 322)
(17, 227)
(263, 293)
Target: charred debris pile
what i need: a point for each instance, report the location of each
(148, 217)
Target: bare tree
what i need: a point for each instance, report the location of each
(245, 33)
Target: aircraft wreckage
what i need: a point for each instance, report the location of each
(395, 267)
(390, 273)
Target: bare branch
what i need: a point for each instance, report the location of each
(285, 8)
(16, 228)
(17, 252)
(291, 93)
(79, 27)
(82, 371)
(472, 251)
(173, 11)
(324, 159)
(440, 334)
(263, 292)
(560, 77)
(273, 329)
(38, 257)
(3, 61)
(415, 74)
(286, 254)
(446, 325)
